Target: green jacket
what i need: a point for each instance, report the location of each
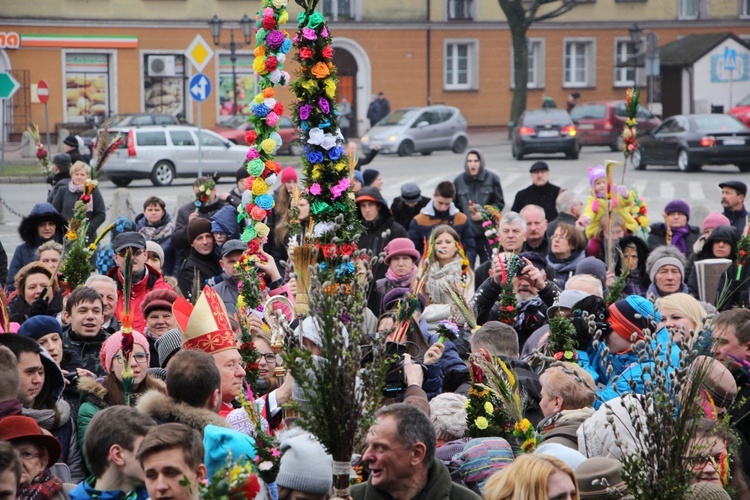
(439, 487)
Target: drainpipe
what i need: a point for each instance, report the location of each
(691, 84)
(429, 56)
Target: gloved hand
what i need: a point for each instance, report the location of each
(39, 307)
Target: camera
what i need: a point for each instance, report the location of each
(72, 377)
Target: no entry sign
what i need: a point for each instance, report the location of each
(42, 91)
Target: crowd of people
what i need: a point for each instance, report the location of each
(71, 428)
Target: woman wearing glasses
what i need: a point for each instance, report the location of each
(110, 392)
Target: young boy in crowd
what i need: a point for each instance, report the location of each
(84, 334)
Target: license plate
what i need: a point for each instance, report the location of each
(548, 133)
(734, 142)
(586, 126)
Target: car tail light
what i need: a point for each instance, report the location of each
(131, 143)
(708, 141)
(569, 130)
(527, 131)
(608, 125)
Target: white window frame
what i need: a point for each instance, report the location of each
(334, 15)
(450, 7)
(113, 86)
(537, 63)
(590, 61)
(623, 76)
(745, 9)
(472, 65)
(682, 11)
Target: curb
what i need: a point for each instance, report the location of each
(22, 179)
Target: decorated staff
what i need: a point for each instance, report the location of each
(126, 319)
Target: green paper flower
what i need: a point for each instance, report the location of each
(315, 20)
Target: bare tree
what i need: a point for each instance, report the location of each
(521, 14)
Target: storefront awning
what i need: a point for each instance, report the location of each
(80, 41)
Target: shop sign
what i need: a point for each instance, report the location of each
(9, 40)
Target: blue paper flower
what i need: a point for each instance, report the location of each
(335, 153)
(260, 110)
(264, 201)
(286, 46)
(315, 157)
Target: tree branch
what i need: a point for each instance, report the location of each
(564, 8)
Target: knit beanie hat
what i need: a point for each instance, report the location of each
(305, 465)
(219, 442)
(714, 220)
(448, 416)
(633, 315)
(169, 344)
(113, 344)
(288, 174)
(152, 246)
(606, 472)
(71, 141)
(572, 458)
(37, 327)
(666, 261)
(706, 491)
(677, 206)
(358, 176)
(481, 458)
(196, 227)
(594, 267)
(369, 176)
(595, 173)
(161, 298)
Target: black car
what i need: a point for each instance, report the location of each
(691, 141)
(547, 130)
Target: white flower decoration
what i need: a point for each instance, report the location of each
(322, 228)
(270, 102)
(328, 142)
(316, 136)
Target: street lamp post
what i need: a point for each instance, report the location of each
(246, 25)
(635, 37)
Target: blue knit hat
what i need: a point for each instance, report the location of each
(358, 175)
(219, 442)
(37, 327)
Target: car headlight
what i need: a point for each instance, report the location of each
(393, 138)
(365, 139)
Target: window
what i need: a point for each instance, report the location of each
(86, 86)
(536, 51)
(690, 9)
(210, 140)
(164, 84)
(624, 75)
(460, 10)
(579, 57)
(245, 86)
(181, 138)
(151, 139)
(338, 9)
(744, 8)
(461, 65)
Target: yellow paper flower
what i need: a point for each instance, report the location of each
(259, 66)
(283, 18)
(340, 166)
(528, 445)
(259, 187)
(317, 170)
(258, 98)
(240, 302)
(468, 404)
(279, 3)
(488, 408)
(523, 426)
(71, 235)
(262, 230)
(330, 87)
(268, 145)
(309, 85)
(481, 423)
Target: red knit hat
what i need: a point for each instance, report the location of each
(288, 174)
(160, 298)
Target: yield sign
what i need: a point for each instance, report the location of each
(8, 85)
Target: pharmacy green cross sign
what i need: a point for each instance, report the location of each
(8, 85)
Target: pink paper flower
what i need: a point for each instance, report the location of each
(315, 189)
(339, 188)
(252, 154)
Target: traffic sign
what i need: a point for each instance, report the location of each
(8, 85)
(730, 59)
(199, 52)
(200, 87)
(42, 91)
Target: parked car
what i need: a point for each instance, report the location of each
(741, 110)
(601, 123)
(234, 129)
(165, 153)
(546, 130)
(691, 141)
(127, 120)
(421, 130)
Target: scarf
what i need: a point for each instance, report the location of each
(157, 234)
(78, 188)
(678, 238)
(440, 276)
(401, 282)
(44, 486)
(47, 418)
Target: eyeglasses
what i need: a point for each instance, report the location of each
(133, 252)
(700, 462)
(140, 357)
(270, 357)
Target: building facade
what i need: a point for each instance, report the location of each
(123, 56)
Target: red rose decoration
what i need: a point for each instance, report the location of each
(250, 136)
(329, 250)
(272, 63)
(85, 198)
(278, 109)
(347, 249)
(253, 246)
(327, 52)
(268, 23)
(258, 213)
(305, 53)
(252, 487)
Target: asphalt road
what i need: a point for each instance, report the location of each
(658, 185)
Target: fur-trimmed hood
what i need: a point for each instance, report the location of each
(41, 212)
(165, 409)
(90, 386)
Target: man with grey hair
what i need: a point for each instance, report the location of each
(569, 209)
(512, 236)
(536, 225)
(107, 288)
(401, 457)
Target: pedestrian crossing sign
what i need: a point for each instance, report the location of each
(730, 59)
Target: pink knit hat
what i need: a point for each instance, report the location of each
(714, 220)
(596, 173)
(112, 346)
(288, 174)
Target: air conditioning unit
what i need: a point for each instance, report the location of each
(161, 65)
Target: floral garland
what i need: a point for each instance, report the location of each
(509, 266)
(270, 54)
(231, 482)
(562, 341)
(483, 416)
(203, 193)
(268, 457)
(639, 211)
(630, 132)
(326, 169)
(743, 251)
(491, 218)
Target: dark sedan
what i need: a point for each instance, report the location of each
(547, 130)
(691, 141)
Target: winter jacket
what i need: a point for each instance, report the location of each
(59, 181)
(160, 233)
(737, 218)
(165, 410)
(403, 213)
(179, 235)
(65, 200)
(596, 437)
(19, 310)
(428, 219)
(562, 427)
(25, 253)
(721, 233)
(372, 238)
(481, 189)
(658, 237)
(228, 292)
(544, 196)
(737, 293)
(152, 280)
(564, 268)
(87, 349)
(438, 487)
(207, 267)
(86, 491)
(561, 217)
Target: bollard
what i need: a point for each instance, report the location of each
(698, 213)
(2, 215)
(121, 205)
(28, 147)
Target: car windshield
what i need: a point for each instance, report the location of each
(744, 102)
(557, 117)
(717, 123)
(118, 119)
(398, 117)
(589, 112)
(237, 121)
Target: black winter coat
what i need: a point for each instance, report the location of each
(207, 266)
(658, 237)
(543, 196)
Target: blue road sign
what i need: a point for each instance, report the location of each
(200, 87)
(730, 58)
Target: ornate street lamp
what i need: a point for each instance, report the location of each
(635, 37)
(246, 25)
